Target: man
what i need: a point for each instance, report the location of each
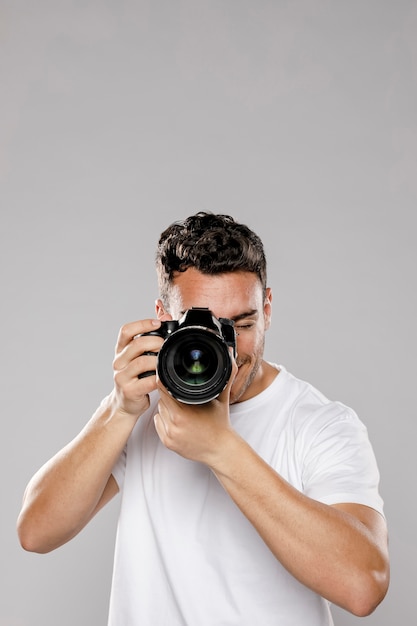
(259, 506)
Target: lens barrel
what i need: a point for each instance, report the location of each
(194, 364)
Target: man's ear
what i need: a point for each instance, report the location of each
(268, 307)
(161, 313)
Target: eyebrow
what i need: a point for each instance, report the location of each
(242, 316)
(237, 318)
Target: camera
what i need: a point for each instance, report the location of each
(194, 362)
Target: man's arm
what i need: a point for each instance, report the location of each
(340, 552)
(68, 490)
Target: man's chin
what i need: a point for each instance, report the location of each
(245, 377)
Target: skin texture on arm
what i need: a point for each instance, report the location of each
(69, 489)
(338, 551)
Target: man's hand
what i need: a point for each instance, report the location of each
(198, 432)
(132, 359)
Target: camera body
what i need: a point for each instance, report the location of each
(194, 362)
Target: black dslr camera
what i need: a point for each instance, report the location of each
(194, 362)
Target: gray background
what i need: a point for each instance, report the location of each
(116, 118)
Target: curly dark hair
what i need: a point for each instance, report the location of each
(212, 244)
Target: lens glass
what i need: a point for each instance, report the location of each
(195, 363)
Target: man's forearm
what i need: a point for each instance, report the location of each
(65, 493)
(331, 551)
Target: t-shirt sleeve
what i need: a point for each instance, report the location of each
(339, 464)
(119, 468)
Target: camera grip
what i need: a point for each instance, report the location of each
(150, 372)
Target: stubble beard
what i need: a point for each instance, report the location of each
(235, 397)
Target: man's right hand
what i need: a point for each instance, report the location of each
(132, 359)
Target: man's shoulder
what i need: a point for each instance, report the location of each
(306, 403)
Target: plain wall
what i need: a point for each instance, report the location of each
(117, 118)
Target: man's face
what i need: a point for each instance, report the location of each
(237, 296)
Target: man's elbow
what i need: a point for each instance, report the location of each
(30, 537)
(369, 593)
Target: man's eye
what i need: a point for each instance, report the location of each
(244, 327)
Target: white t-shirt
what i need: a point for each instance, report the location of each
(186, 556)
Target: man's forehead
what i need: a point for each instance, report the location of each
(193, 282)
(222, 303)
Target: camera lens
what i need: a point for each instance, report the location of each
(194, 364)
